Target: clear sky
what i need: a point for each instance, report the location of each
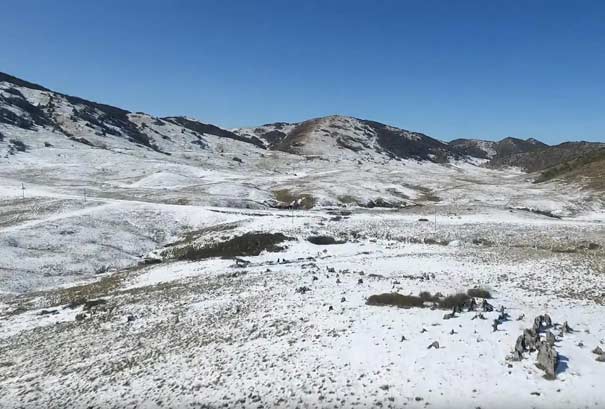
(451, 69)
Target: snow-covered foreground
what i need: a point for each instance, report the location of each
(222, 321)
(215, 332)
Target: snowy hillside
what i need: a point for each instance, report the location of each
(341, 137)
(496, 150)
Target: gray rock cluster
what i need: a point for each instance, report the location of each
(530, 341)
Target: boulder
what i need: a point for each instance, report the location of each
(530, 339)
(550, 338)
(537, 324)
(520, 344)
(547, 360)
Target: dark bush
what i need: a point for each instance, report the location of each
(323, 240)
(453, 300)
(427, 296)
(249, 244)
(395, 300)
(479, 293)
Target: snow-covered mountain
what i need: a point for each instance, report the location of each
(492, 149)
(31, 107)
(27, 109)
(351, 138)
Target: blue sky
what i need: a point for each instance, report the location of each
(451, 69)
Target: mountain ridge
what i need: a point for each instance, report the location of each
(29, 106)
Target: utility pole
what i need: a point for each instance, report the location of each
(22, 191)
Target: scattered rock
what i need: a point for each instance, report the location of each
(495, 325)
(566, 328)
(486, 307)
(302, 290)
(80, 317)
(434, 345)
(598, 350)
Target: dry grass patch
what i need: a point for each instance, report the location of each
(248, 244)
(307, 201)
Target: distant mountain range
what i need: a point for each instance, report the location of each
(33, 108)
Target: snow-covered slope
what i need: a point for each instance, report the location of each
(28, 109)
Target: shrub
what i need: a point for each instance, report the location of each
(248, 244)
(323, 240)
(479, 293)
(395, 300)
(453, 300)
(427, 296)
